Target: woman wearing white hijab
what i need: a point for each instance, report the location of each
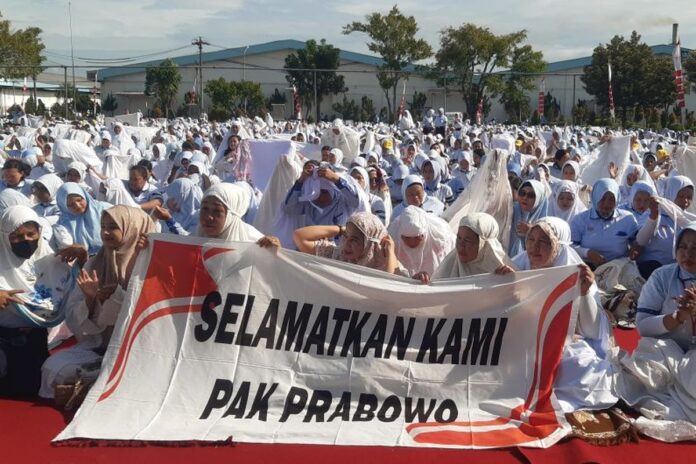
(222, 209)
(413, 193)
(565, 203)
(376, 204)
(76, 172)
(632, 174)
(45, 189)
(422, 241)
(477, 249)
(587, 374)
(33, 283)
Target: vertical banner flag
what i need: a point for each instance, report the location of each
(479, 111)
(612, 112)
(678, 74)
(403, 101)
(540, 100)
(297, 107)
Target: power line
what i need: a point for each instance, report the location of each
(115, 60)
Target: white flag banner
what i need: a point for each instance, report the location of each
(220, 341)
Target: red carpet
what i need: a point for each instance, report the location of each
(26, 430)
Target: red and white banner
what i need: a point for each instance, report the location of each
(296, 104)
(220, 341)
(612, 111)
(678, 75)
(479, 112)
(541, 98)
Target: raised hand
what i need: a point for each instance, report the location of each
(88, 283)
(77, 253)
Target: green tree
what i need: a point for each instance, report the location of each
(77, 101)
(110, 104)
(298, 66)
(162, 82)
(348, 109)
(639, 78)
(471, 55)
(221, 94)
(30, 105)
(367, 109)
(235, 96)
(524, 63)
(393, 37)
(20, 51)
(552, 109)
(417, 105)
(249, 96)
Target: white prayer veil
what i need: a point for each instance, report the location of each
(236, 201)
(488, 192)
(491, 254)
(438, 240)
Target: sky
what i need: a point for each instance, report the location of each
(128, 28)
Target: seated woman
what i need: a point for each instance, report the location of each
(77, 173)
(422, 241)
(566, 203)
(432, 175)
(94, 306)
(603, 232)
(661, 225)
(477, 249)
(413, 194)
(363, 241)
(531, 205)
(15, 176)
(587, 374)
(222, 209)
(79, 219)
(376, 204)
(657, 379)
(45, 189)
(632, 174)
(183, 207)
(323, 196)
(30, 277)
(638, 199)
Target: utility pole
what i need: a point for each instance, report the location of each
(199, 43)
(316, 103)
(65, 97)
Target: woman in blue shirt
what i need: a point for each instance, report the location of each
(603, 232)
(662, 227)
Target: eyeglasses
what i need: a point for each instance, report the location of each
(526, 193)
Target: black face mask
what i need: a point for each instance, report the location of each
(25, 248)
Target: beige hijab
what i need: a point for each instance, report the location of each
(491, 254)
(114, 266)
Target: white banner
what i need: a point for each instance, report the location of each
(229, 340)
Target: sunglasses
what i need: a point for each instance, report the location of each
(526, 193)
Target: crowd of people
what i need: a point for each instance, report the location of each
(435, 199)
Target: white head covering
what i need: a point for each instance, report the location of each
(565, 186)
(52, 183)
(558, 232)
(491, 254)
(41, 268)
(438, 240)
(236, 201)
